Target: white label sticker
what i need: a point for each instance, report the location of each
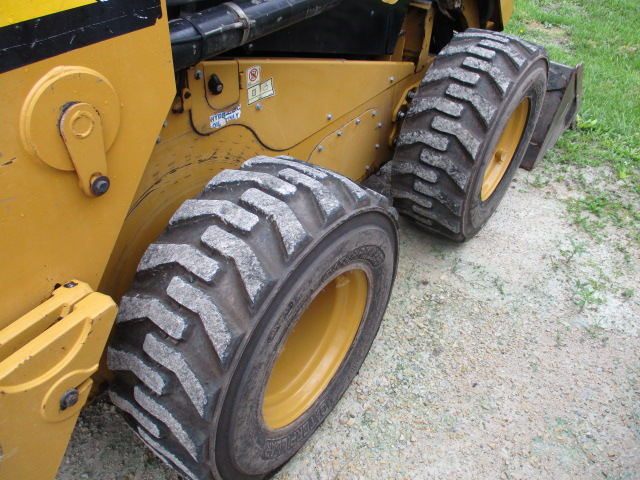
(221, 119)
(261, 91)
(253, 76)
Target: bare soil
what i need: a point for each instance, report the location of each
(515, 355)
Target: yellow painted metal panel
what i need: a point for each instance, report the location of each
(183, 161)
(304, 96)
(56, 231)
(506, 10)
(49, 356)
(16, 11)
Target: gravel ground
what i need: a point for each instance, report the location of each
(513, 356)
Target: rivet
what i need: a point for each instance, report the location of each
(392, 79)
(380, 125)
(158, 140)
(377, 146)
(358, 121)
(165, 124)
(367, 167)
(320, 148)
(329, 117)
(198, 74)
(258, 106)
(339, 133)
(401, 114)
(374, 113)
(410, 95)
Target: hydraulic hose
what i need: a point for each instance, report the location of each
(198, 36)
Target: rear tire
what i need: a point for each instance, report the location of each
(202, 351)
(466, 131)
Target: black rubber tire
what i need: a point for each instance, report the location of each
(215, 298)
(453, 125)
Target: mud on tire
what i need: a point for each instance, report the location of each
(203, 375)
(466, 131)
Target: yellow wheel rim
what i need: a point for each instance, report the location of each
(315, 348)
(505, 149)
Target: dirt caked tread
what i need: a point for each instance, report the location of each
(194, 300)
(445, 133)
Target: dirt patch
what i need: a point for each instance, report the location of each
(515, 355)
(551, 34)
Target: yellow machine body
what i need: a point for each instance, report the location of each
(98, 148)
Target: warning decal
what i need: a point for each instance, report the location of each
(261, 91)
(253, 76)
(221, 119)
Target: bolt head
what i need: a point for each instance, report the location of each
(69, 399)
(100, 185)
(401, 114)
(339, 133)
(198, 74)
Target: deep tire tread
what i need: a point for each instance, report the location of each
(180, 311)
(459, 99)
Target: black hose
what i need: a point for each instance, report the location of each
(218, 29)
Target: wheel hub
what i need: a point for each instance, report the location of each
(315, 348)
(505, 149)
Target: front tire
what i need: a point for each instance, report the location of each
(466, 131)
(250, 316)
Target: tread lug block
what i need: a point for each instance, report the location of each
(468, 128)
(216, 352)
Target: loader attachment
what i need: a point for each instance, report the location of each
(561, 105)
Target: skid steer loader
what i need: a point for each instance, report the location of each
(197, 163)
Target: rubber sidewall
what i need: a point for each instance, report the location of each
(532, 86)
(245, 447)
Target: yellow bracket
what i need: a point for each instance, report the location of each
(69, 121)
(46, 360)
(81, 130)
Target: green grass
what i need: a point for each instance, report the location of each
(605, 35)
